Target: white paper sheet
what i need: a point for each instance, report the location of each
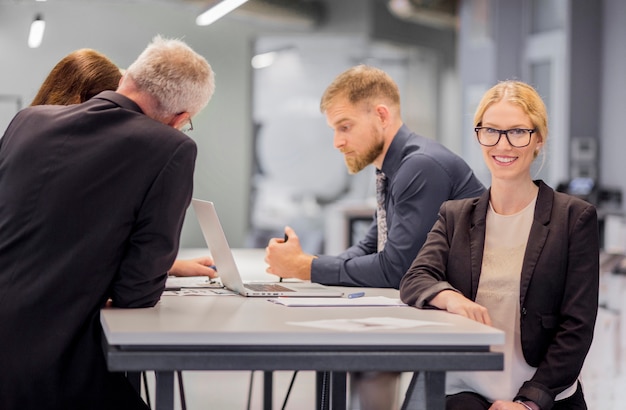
(362, 301)
(371, 323)
(199, 292)
(192, 282)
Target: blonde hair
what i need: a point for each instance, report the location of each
(522, 95)
(361, 83)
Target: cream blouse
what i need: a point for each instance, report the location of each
(499, 291)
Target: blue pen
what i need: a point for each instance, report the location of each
(356, 295)
(213, 267)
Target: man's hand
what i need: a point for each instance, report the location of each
(193, 267)
(455, 302)
(286, 258)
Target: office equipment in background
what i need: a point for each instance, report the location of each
(347, 223)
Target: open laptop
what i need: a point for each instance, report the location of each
(227, 268)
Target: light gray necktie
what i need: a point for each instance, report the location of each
(381, 213)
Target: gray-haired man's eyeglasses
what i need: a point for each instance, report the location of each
(188, 127)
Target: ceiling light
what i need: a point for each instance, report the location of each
(218, 11)
(37, 28)
(264, 60)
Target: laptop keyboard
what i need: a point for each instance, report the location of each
(267, 287)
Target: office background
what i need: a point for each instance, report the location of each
(265, 153)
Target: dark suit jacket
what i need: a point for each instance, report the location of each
(559, 281)
(92, 201)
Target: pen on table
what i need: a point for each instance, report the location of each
(212, 280)
(286, 237)
(356, 295)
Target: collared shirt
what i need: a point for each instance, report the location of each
(421, 175)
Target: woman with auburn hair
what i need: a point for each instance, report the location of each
(522, 258)
(81, 75)
(77, 77)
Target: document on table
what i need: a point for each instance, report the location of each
(362, 301)
(199, 292)
(177, 282)
(370, 323)
(195, 286)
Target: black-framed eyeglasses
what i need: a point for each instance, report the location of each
(517, 137)
(188, 127)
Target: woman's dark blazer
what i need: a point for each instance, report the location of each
(559, 281)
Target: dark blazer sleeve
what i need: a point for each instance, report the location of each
(443, 263)
(155, 237)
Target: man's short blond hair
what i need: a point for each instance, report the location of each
(361, 83)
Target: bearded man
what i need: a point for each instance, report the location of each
(417, 174)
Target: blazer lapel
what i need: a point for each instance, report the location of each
(537, 237)
(477, 239)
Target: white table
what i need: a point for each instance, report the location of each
(239, 333)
